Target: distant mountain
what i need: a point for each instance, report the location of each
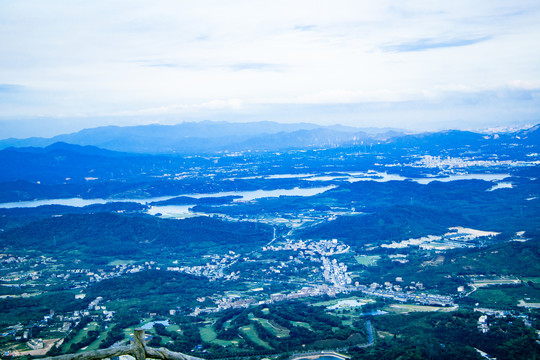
(207, 136)
(61, 161)
(443, 139)
(449, 142)
(530, 136)
(63, 147)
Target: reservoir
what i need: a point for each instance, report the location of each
(322, 356)
(259, 194)
(245, 196)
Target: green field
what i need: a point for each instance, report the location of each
(505, 297)
(122, 262)
(82, 334)
(407, 308)
(303, 324)
(276, 329)
(209, 335)
(367, 260)
(95, 345)
(343, 301)
(535, 280)
(250, 332)
(481, 283)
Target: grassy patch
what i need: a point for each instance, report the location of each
(406, 308)
(209, 335)
(343, 302)
(250, 332)
(303, 324)
(122, 262)
(367, 260)
(276, 329)
(95, 345)
(80, 335)
(505, 297)
(481, 283)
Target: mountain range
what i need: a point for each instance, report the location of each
(212, 137)
(130, 152)
(209, 137)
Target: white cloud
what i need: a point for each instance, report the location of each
(133, 57)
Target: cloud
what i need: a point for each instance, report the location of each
(257, 66)
(10, 88)
(208, 106)
(305, 27)
(428, 44)
(102, 58)
(164, 65)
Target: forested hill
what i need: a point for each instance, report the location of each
(108, 234)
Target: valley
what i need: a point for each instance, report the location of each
(270, 253)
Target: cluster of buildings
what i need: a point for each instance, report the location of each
(395, 292)
(56, 323)
(335, 273)
(24, 266)
(428, 161)
(321, 247)
(458, 238)
(214, 270)
(236, 301)
(25, 271)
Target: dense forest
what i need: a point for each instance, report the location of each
(95, 237)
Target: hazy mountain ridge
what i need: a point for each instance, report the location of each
(208, 136)
(61, 161)
(212, 137)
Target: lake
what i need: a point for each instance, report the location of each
(258, 194)
(245, 196)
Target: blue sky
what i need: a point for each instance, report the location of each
(419, 65)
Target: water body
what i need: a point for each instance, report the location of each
(245, 196)
(321, 356)
(329, 357)
(369, 332)
(384, 177)
(485, 177)
(151, 324)
(258, 194)
(379, 177)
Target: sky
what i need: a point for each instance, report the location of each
(418, 65)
